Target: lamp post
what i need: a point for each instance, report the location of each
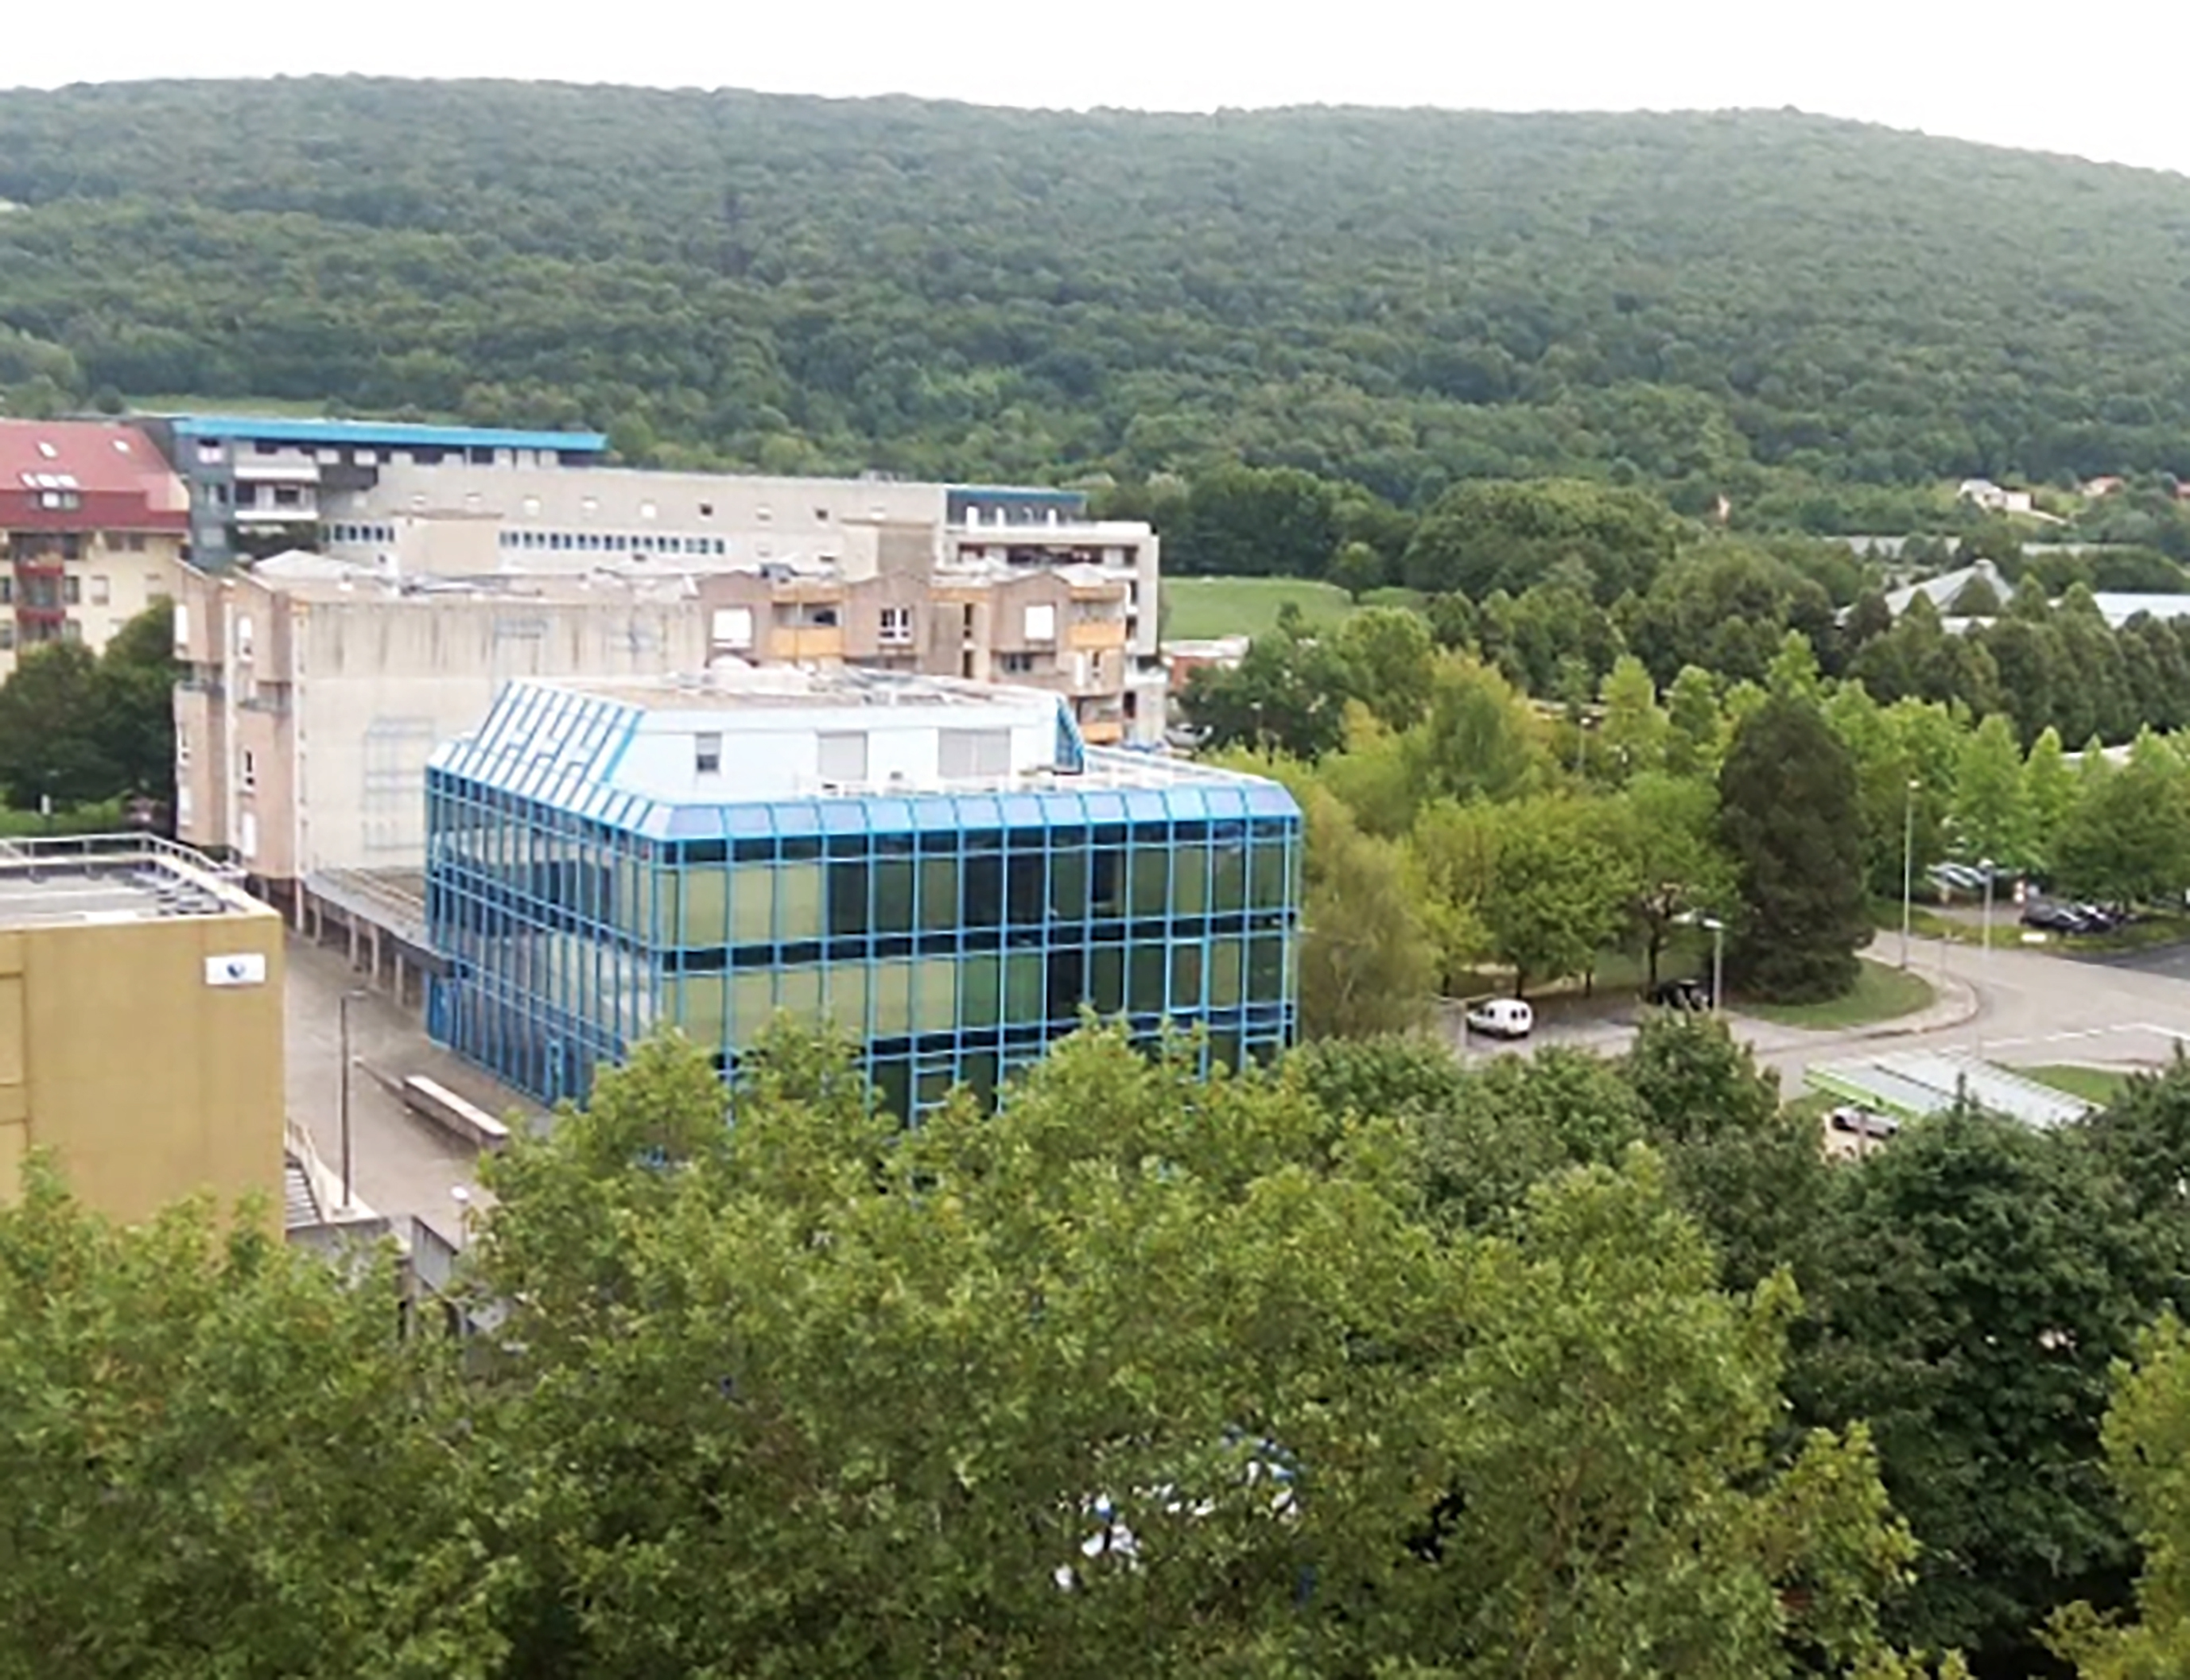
(1985, 937)
(1718, 963)
(1908, 861)
(342, 1013)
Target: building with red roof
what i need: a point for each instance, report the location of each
(94, 522)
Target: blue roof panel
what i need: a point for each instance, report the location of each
(388, 434)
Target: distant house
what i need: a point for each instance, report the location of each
(2106, 485)
(1995, 498)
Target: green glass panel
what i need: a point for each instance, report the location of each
(1023, 999)
(932, 1086)
(1229, 889)
(706, 906)
(1189, 869)
(1144, 994)
(935, 1000)
(797, 901)
(848, 897)
(939, 893)
(1107, 980)
(848, 997)
(1068, 886)
(1186, 977)
(1266, 970)
(892, 988)
(752, 1003)
(699, 1010)
(752, 904)
(1151, 880)
(1269, 880)
(798, 995)
(1224, 957)
(892, 912)
(980, 985)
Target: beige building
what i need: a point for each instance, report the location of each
(981, 549)
(141, 1025)
(93, 522)
(312, 696)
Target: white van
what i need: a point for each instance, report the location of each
(1503, 1017)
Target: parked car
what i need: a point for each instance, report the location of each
(1682, 994)
(2057, 918)
(1503, 1017)
(1957, 877)
(1862, 1123)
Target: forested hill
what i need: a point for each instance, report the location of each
(1757, 303)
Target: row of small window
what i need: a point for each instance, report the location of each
(74, 545)
(360, 533)
(790, 902)
(976, 993)
(32, 635)
(604, 542)
(56, 591)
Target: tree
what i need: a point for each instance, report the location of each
(1478, 740)
(1257, 522)
(1288, 693)
(1390, 662)
(1633, 736)
(222, 1457)
(1482, 536)
(1558, 888)
(1788, 818)
(1973, 1284)
(1357, 569)
(135, 691)
(1992, 807)
(1367, 963)
(1669, 833)
(1695, 732)
(52, 745)
(2128, 839)
(2148, 1429)
(2049, 793)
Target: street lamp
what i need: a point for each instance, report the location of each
(1718, 963)
(342, 1013)
(1985, 864)
(1908, 861)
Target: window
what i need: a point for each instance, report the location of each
(844, 755)
(246, 835)
(182, 748)
(208, 453)
(821, 516)
(72, 591)
(7, 635)
(647, 510)
(1042, 623)
(288, 496)
(72, 629)
(707, 754)
(732, 627)
(896, 624)
(182, 628)
(7, 591)
(183, 806)
(532, 507)
(1015, 664)
(248, 774)
(763, 514)
(706, 510)
(967, 753)
(243, 637)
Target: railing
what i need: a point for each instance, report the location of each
(35, 851)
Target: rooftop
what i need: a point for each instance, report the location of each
(384, 434)
(89, 880)
(1919, 1083)
(84, 455)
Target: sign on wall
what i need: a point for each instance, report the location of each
(245, 968)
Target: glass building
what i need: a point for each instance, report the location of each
(942, 869)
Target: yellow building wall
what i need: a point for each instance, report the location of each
(147, 1083)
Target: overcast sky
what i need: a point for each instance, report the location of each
(2103, 83)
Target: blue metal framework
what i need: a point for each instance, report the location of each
(951, 935)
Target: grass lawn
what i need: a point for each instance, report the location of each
(2094, 1085)
(1197, 609)
(1879, 994)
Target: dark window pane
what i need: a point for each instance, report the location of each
(1186, 977)
(1266, 970)
(1029, 907)
(939, 893)
(1151, 882)
(893, 896)
(1108, 990)
(848, 898)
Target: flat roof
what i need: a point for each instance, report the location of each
(1914, 1083)
(68, 883)
(367, 433)
(734, 687)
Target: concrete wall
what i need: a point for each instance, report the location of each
(148, 1082)
(383, 682)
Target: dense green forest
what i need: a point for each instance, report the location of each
(1813, 317)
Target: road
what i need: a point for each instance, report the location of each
(403, 1165)
(2012, 1004)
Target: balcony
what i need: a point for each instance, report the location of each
(1095, 635)
(802, 642)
